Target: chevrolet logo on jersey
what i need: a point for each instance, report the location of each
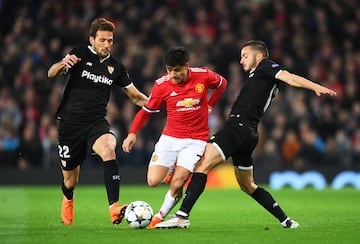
(188, 102)
(96, 78)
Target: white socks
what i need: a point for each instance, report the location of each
(168, 203)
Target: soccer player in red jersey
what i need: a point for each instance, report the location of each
(184, 91)
(239, 135)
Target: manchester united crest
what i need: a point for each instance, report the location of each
(199, 88)
(155, 158)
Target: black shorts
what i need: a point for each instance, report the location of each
(238, 141)
(76, 141)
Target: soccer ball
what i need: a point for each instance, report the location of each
(138, 214)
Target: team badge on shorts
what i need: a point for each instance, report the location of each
(155, 158)
(63, 162)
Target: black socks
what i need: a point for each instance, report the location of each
(193, 191)
(68, 193)
(112, 180)
(265, 199)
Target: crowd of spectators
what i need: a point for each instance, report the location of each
(318, 39)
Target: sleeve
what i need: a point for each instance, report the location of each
(139, 120)
(123, 77)
(218, 85)
(272, 69)
(151, 106)
(155, 100)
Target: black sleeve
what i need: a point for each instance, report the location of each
(122, 76)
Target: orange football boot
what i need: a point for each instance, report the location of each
(155, 220)
(117, 212)
(67, 211)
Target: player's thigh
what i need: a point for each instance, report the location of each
(102, 139)
(105, 144)
(163, 157)
(71, 146)
(165, 152)
(156, 174)
(211, 158)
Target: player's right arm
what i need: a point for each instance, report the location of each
(139, 120)
(63, 66)
(141, 117)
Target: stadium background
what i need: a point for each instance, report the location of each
(301, 132)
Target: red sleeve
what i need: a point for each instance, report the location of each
(217, 92)
(139, 120)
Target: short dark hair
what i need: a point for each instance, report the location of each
(177, 56)
(257, 45)
(101, 24)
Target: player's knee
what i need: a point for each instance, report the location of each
(107, 152)
(153, 182)
(71, 182)
(204, 167)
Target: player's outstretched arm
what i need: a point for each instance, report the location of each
(299, 81)
(140, 119)
(135, 95)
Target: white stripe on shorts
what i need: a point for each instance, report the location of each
(245, 168)
(220, 151)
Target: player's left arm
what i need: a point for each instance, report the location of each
(135, 95)
(299, 81)
(217, 92)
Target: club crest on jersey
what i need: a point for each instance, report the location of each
(199, 88)
(155, 158)
(110, 69)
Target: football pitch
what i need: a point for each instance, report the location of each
(30, 214)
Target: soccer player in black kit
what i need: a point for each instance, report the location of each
(91, 71)
(239, 136)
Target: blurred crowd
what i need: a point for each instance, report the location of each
(318, 39)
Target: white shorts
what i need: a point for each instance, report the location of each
(186, 152)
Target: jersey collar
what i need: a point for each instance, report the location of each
(93, 51)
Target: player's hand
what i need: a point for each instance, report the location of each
(70, 60)
(210, 108)
(324, 90)
(129, 142)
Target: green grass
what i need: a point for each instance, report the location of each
(32, 215)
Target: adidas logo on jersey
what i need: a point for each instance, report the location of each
(173, 93)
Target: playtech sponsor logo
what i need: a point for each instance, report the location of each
(96, 78)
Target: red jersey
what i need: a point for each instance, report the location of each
(187, 103)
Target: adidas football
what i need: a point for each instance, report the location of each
(138, 214)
